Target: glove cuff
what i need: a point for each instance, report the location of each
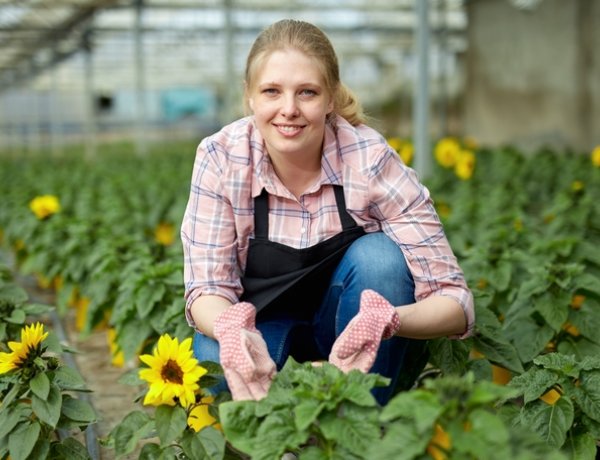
(376, 306)
(241, 315)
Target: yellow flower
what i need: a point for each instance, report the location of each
(596, 156)
(518, 224)
(571, 329)
(173, 373)
(551, 396)
(44, 206)
(577, 301)
(117, 356)
(500, 375)
(443, 210)
(164, 233)
(439, 444)
(446, 152)
(199, 416)
(470, 142)
(465, 164)
(31, 338)
(407, 152)
(395, 143)
(577, 186)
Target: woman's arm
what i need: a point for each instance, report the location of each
(205, 309)
(435, 316)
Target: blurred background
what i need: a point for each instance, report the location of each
(524, 72)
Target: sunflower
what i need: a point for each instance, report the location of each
(44, 206)
(200, 417)
(25, 350)
(173, 373)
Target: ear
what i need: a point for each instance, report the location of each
(330, 106)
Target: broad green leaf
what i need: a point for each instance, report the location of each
(70, 448)
(135, 426)
(40, 385)
(588, 283)
(13, 294)
(419, 406)
(239, 423)
(22, 440)
(306, 412)
(353, 427)
(449, 355)
(68, 378)
(78, 410)
(587, 320)
(208, 443)
(170, 423)
(527, 336)
(534, 383)
(16, 317)
(41, 449)
(400, 442)
(497, 349)
(551, 422)
(151, 451)
(487, 438)
(276, 434)
(581, 447)
(553, 309)
(10, 416)
(565, 364)
(147, 297)
(587, 394)
(48, 411)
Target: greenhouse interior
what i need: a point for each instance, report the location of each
(475, 150)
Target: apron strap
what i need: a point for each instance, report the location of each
(261, 213)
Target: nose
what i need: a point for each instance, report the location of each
(289, 107)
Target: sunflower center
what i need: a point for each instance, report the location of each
(171, 372)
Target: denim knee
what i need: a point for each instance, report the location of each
(376, 262)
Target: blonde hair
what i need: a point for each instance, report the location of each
(310, 40)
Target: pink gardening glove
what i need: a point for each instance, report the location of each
(246, 363)
(357, 345)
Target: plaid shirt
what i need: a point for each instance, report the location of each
(382, 194)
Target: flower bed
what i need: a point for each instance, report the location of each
(103, 233)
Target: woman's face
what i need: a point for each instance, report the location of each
(290, 102)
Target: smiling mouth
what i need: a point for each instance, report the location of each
(289, 129)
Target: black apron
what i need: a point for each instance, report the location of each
(280, 278)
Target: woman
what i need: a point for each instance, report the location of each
(306, 235)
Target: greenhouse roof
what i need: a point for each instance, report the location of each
(37, 34)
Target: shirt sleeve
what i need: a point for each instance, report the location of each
(208, 233)
(407, 215)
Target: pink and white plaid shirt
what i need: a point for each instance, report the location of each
(381, 192)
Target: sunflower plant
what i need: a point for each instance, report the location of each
(36, 391)
(179, 417)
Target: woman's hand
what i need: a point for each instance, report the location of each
(243, 353)
(357, 345)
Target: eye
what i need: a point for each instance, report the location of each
(308, 92)
(269, 91)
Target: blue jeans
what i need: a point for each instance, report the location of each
(373, 261)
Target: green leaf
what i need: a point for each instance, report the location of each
(239, 423)
(353, 427)
(48, 411)
(151, 451)
(581, 447)
(40, 385)
(68, 378)
(587, 394)
(170, 423)
(13, 294)
(400, 442)
(208, 444)
(78, 410)
(554, 310)
(70, 448)
(276, 434)
(147, 297)
(126, 435)
(551, 422)
(534, 383)
(588, 283)
(448, 355)
(527, 336)
(497, 349)
(16, 317)
(419, 406)
(565, 364)
(307, 412)
(10, 416)
(22, 440)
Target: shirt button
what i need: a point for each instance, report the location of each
(303, 230)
